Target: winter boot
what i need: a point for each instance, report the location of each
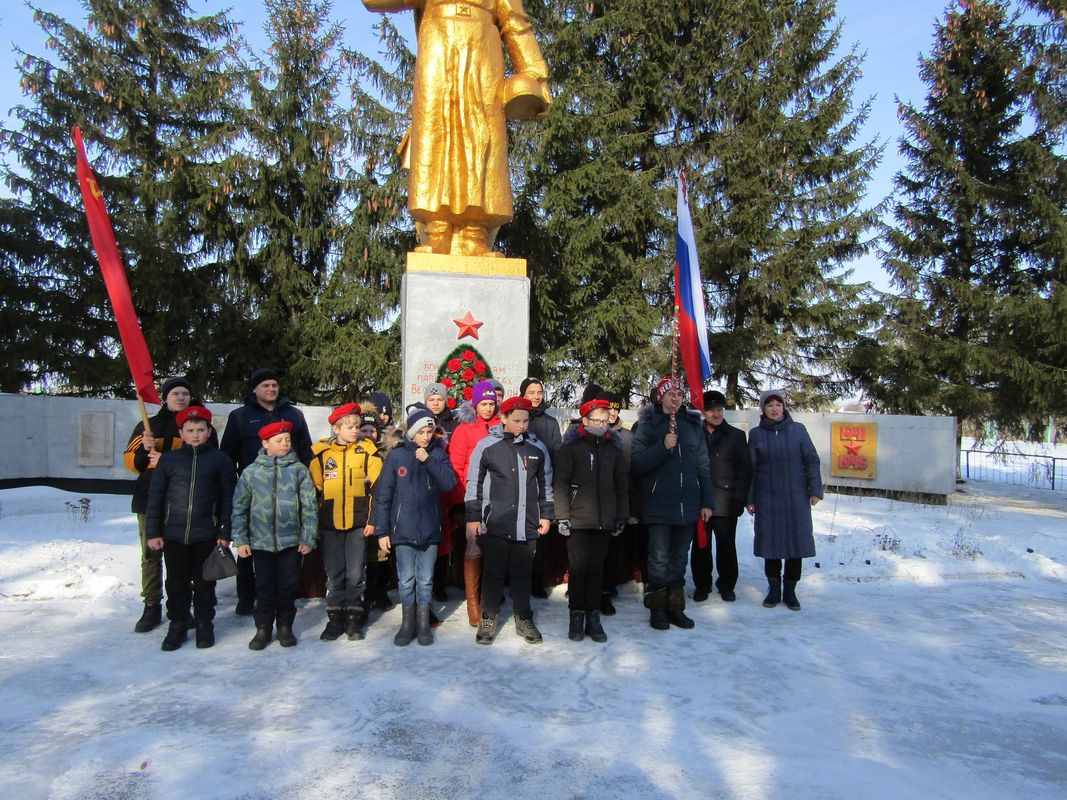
(774, 593)
(594, 628)
(176, 635)
(700, 595)
(285, 628)
(264, 629)
(205, 634)
(354, 623)
(472, 583)
(487, 628)
(606, 607)
(676, 609)
(335, 625)
(150, 618)
(422, 624)
(440, 573)
(790, 596)
(656, 603)
(576, 632)
(527, 630)
(407, 627)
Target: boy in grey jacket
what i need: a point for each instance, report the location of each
(275, 521)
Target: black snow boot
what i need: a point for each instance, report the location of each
(440, 574)
(594, 628)
(176, 635)
(264, 630)
(150, 618)
(527, 630)
(676, 609)
(354, 623)
(606, 607)
(656, 603)
(205, 634)
(774, 593)
(335, 625)
(487, 629)
(576, 632)
(422, 624)
(790, 596)
(407, 627)
(286, 637)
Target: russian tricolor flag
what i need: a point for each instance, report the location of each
(689, 298)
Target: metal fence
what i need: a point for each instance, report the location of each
(1018, 469)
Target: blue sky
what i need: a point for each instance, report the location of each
(890, 34)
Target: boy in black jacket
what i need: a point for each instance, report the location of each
(509, 505)
(188, 516)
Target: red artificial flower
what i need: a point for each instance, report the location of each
(479, 367)
(468, 355)
(453, 364)
(451, 402)
(448, 383)
(467, 392)
(467, 375)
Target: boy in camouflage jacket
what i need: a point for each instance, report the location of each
(275, 522)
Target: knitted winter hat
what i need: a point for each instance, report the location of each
(435, 388)
(258, 376)
(526, 384)
(273, 429)
(420, 418)
(382, 403)
(590, 392)
(664, 386)
(497, 385)
(483, 390)
(614, 400)
(369, 418)
(173, 383)
(192, 412)
(769, 394)
(341, 412)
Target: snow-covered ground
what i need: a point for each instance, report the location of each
(929, 661)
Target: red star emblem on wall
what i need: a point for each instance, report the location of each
(468, 326)
(853, 448)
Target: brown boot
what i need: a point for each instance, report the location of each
(472, 582)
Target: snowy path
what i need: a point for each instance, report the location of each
(912, 677)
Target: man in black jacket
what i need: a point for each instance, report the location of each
(731, 471)
(240, 441)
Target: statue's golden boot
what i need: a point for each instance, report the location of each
(474, 241)
(438, 238)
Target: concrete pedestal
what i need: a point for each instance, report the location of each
(447, 301)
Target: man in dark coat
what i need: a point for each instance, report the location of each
(674, 483)
(240, 441)
(731, 471)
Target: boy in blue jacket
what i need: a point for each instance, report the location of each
(275, 523)
(407, 518)
(187, 517)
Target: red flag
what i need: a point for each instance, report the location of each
(118, 288)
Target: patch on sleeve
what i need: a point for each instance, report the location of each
(402, 472)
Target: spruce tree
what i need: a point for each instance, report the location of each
(155, 92)
(977, 246)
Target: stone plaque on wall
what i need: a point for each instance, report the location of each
(96, 439)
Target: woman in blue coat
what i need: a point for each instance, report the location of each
(407, 517)
(786, 485)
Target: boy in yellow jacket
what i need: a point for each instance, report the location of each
(344, 467)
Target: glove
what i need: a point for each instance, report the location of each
(620, 526)
(564, 527)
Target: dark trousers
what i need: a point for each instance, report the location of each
(668, 551)
(276, 575)
(772, 568)
(586, 548)
(246, 581)
(185, 580)
(344, 554)
(503, 559)
(151, 568)
(724, 532)
(613, 562)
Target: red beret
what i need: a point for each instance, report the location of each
(193, 412)
(274, 429)
(515, 404)
(343, 411)
(587, 408)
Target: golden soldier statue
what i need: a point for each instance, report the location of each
(459, 192)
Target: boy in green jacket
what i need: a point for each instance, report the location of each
(275, 521)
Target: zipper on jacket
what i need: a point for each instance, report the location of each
(189, 510)
(344, 486)
(277, 544)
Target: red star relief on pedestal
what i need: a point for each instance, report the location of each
(468, 326)
(853, 448)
